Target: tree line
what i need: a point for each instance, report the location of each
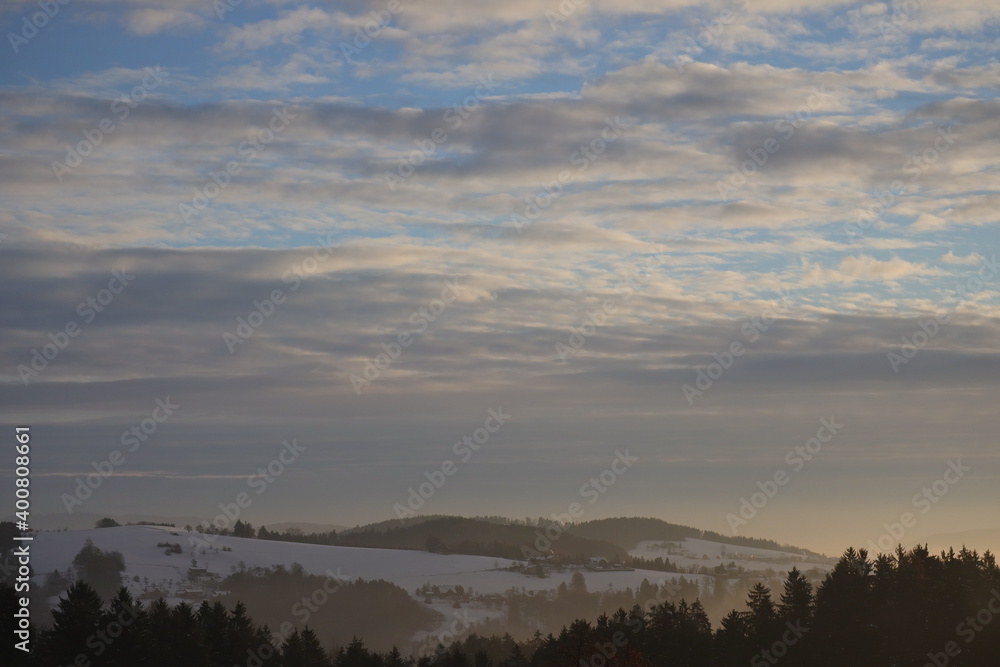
(907, 608)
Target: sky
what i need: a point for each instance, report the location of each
(730, 264)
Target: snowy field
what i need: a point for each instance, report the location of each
(696, 552)
(150, 570)
(407, 569)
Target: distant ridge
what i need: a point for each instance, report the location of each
(606, 537)
(630, 531)
(304, 526)
(489, 536)
(610, 538)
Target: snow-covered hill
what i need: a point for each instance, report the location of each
(153, 568)
(692, 552)
(407, 569)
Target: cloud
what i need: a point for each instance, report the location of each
(684, 143)
(927, 222)
(149, 21)
(865, 268)
(494, 346)
(972, 259)
(806, 112)
(288, 29)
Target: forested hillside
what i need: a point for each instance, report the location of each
(479, 537)
(629, 531)
(909, 608)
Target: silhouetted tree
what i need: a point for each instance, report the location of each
(126, 630)
(355, 654)
(797, 599)
(732, 640)
(77, 618)
(101, 569)
(241, 529)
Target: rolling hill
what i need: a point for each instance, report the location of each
(467, 577)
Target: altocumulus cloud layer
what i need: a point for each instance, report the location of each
(687, 229)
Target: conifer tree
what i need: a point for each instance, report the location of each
(797, 599)
(128, 620)
(75, 619)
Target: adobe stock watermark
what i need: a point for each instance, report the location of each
(796, 459)
(784, 130)
(902, 12)
(565, 10)
(302, 610)
(132, 439)
(931, 327)
(262, 311)
(94, 137)
(968, 629)
(425, 148)
(924, 500)
(88, 310)
(591, 490)
(420, 320)
(260, 481)
(779, 649)
(461, 623)
(265, 307)
(751, 329)
(101, 640)
(581, 158)
(255, 144)
(711, 31)
(32, 23)
(438, 477)
(915, 166)
(370, 30)
(604, 653)
(223, 7)
(635, 279)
